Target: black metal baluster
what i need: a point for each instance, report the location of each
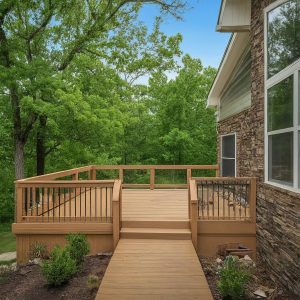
(48, 200)
(90, 203)
(202, 200)
(101, 203)
(64, 204)
(58, 204)
(95, 203)
(85, 204)
(218, 200)
(213, 199)
(53, 201)
(207, 199)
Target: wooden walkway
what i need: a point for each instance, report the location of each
(154, 269)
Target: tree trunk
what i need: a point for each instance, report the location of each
(40, 146)
(19, 159)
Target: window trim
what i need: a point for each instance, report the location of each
(221, 152)
(291, 70)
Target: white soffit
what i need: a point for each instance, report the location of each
(235, 15)
(235, 49)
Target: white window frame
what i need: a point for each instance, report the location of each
(221, 153)
(292, 69)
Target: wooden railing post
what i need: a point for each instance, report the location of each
(188, 175)
(92, 173)
(218, 171)
(75, 176)
(19, 203)
(194, 213)
(152, 178)
(252, 199)
(121, 174)
(116, 211)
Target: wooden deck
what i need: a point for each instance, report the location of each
(154, 205)
(154, 269)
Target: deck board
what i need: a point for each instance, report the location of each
(154, 269)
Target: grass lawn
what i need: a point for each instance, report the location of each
(7, 239)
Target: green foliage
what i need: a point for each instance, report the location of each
(77, 246)
(38, 250)
(79, 91)
(60, 267)
(233, 279)
(7, 242)
(93, 282)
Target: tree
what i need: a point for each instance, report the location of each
(40, 39)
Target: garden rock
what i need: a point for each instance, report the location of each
(219, 260)
(260, 294)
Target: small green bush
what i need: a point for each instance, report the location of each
(233, 279)
(78, 246)
(60, 267)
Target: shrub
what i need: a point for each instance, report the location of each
(93, 282)
(78, 246)
(60, 267)
(38, 250)
(233, 279)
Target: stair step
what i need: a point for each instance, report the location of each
(180, 224)
(155, 233)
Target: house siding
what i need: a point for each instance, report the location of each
(278, 210)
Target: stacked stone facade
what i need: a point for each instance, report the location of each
(278, 210)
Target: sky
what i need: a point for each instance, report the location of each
(200, 38)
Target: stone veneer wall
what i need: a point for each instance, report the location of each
(278, 210)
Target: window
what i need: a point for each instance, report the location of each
(282, 84)
(228, 156)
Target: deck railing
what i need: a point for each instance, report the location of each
(76, 195)
(52, 198)
(221, 198)
(152, 169)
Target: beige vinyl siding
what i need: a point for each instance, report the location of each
(236, 96)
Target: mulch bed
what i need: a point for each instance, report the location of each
(260, 277)
(28, 283)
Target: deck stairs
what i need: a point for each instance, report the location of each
(168, 230)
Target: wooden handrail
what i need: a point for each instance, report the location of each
(156, 167)
(56, 175)
(65, 183)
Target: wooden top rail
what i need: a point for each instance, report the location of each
(56, 175)
(66, 183)
(227, 179)
(156, 167)
(93, 168)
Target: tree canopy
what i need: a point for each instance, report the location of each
(71, 90)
